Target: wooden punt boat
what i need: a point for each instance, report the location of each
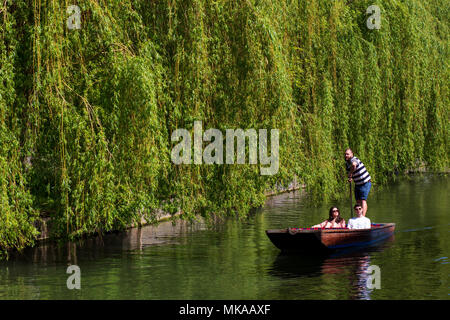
(317, 240)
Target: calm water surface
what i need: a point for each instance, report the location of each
(235, 260)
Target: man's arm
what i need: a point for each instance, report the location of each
(352, 169)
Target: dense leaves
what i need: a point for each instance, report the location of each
(86, 115)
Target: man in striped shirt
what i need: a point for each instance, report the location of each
(358, 173)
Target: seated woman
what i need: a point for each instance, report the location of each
(334, 220)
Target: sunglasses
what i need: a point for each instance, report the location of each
(334, 210)
(358, 208)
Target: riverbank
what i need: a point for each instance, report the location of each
(164, 225)
(164, 218)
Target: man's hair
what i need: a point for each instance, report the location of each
(357, 206)
(348, 150)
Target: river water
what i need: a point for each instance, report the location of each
(235, 260)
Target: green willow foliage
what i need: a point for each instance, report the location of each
(86, 115)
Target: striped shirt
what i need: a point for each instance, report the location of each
(360, 175)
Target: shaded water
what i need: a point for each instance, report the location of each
(235, 260)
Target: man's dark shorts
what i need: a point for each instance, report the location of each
(362, 191)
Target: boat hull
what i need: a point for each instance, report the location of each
(308, 240)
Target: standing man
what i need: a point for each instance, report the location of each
(358, 173)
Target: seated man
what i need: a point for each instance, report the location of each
(360, 222)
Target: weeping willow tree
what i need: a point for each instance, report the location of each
(86, 113)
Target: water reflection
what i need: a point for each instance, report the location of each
(352, 264)
(115, 243)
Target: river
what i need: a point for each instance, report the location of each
(235, 260)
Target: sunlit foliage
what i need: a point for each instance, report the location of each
(86, 115)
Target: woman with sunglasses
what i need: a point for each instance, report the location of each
(334, 220)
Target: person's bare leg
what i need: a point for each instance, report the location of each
(364, 207)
